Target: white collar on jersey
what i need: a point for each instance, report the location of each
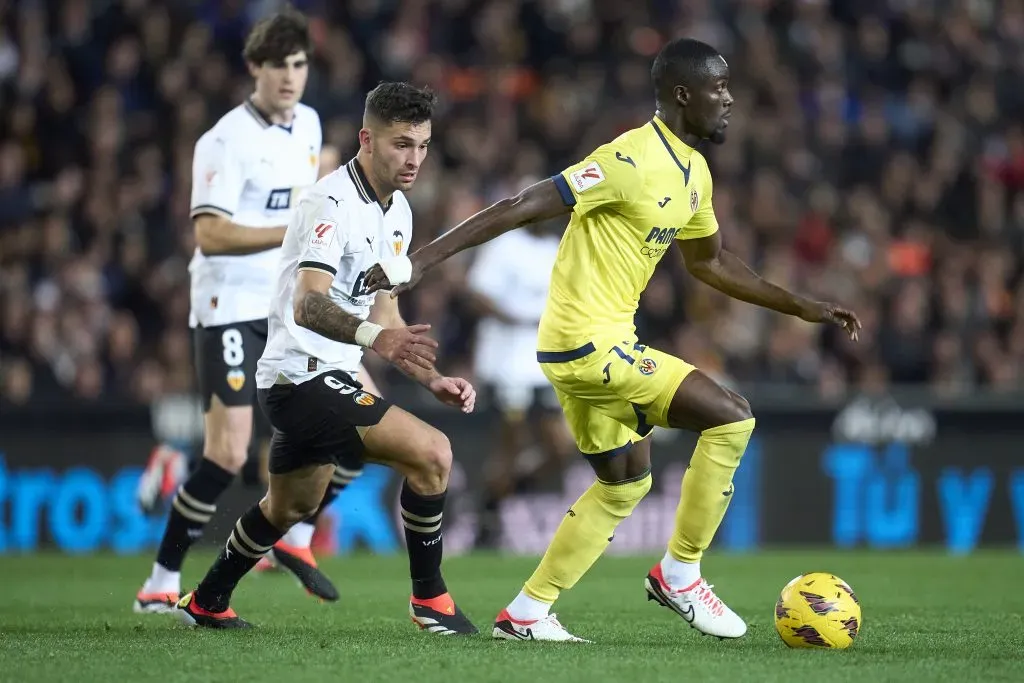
(262, 119)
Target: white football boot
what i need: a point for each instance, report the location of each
(697, 604)
(548, 628)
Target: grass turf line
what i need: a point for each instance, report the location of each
(927, 616)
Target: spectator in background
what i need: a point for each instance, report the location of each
(508, 288)
(875, 157)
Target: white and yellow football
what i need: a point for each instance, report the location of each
(818, 610)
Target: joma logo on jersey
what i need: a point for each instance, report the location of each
(662, 235)
(279, 200)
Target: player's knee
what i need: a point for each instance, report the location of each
(284, 513)
(231, 459)
(735, 408)
(429, 476)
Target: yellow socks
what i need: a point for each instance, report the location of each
(583, 535)
(707, 488)
(588, 527)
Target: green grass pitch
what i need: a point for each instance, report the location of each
(927, 617)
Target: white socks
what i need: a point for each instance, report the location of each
(163, 580)
(678, 574)
(299, 536)
(525, 608)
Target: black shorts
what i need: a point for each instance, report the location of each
(530, 400)
(317, 422)
(226, 357)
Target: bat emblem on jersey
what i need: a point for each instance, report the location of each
(364, 399)
(694, 200)
(628, 160)
(664, 201)
(399, 239)
(236, 379)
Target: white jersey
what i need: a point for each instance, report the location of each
(252, 172)
(342, 229)
(514, 272)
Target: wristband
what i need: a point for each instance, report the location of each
(367, 333)
(398, 269)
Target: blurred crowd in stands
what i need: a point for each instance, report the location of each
(875, 157)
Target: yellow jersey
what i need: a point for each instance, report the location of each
(631, 198)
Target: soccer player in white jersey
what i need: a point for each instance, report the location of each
(510, 299)
(322, 417)
(247, 174)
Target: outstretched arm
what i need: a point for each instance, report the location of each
(711, 264)
(538, 202)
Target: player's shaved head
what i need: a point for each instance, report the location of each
(691, 86)
(685, 62)
(396, 102)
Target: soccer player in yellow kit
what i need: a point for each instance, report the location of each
(631, 200)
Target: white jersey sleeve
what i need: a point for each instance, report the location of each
(325, 232)
(218, 177)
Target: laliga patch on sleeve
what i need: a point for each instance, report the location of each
(587, 177)
(322, 235)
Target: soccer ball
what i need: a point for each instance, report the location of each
(818, 610)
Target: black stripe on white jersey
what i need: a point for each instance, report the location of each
(316, 265)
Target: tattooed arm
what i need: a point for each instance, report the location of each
(314, 310)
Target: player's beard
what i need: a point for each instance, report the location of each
(384, 177)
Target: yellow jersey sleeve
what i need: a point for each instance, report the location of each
(703, 223)
(606, 177)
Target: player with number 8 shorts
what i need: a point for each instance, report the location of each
(247, 174)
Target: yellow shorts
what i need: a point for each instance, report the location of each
(613, 393)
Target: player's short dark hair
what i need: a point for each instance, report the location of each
(276, 37)
(683, 61)
(397, 102)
